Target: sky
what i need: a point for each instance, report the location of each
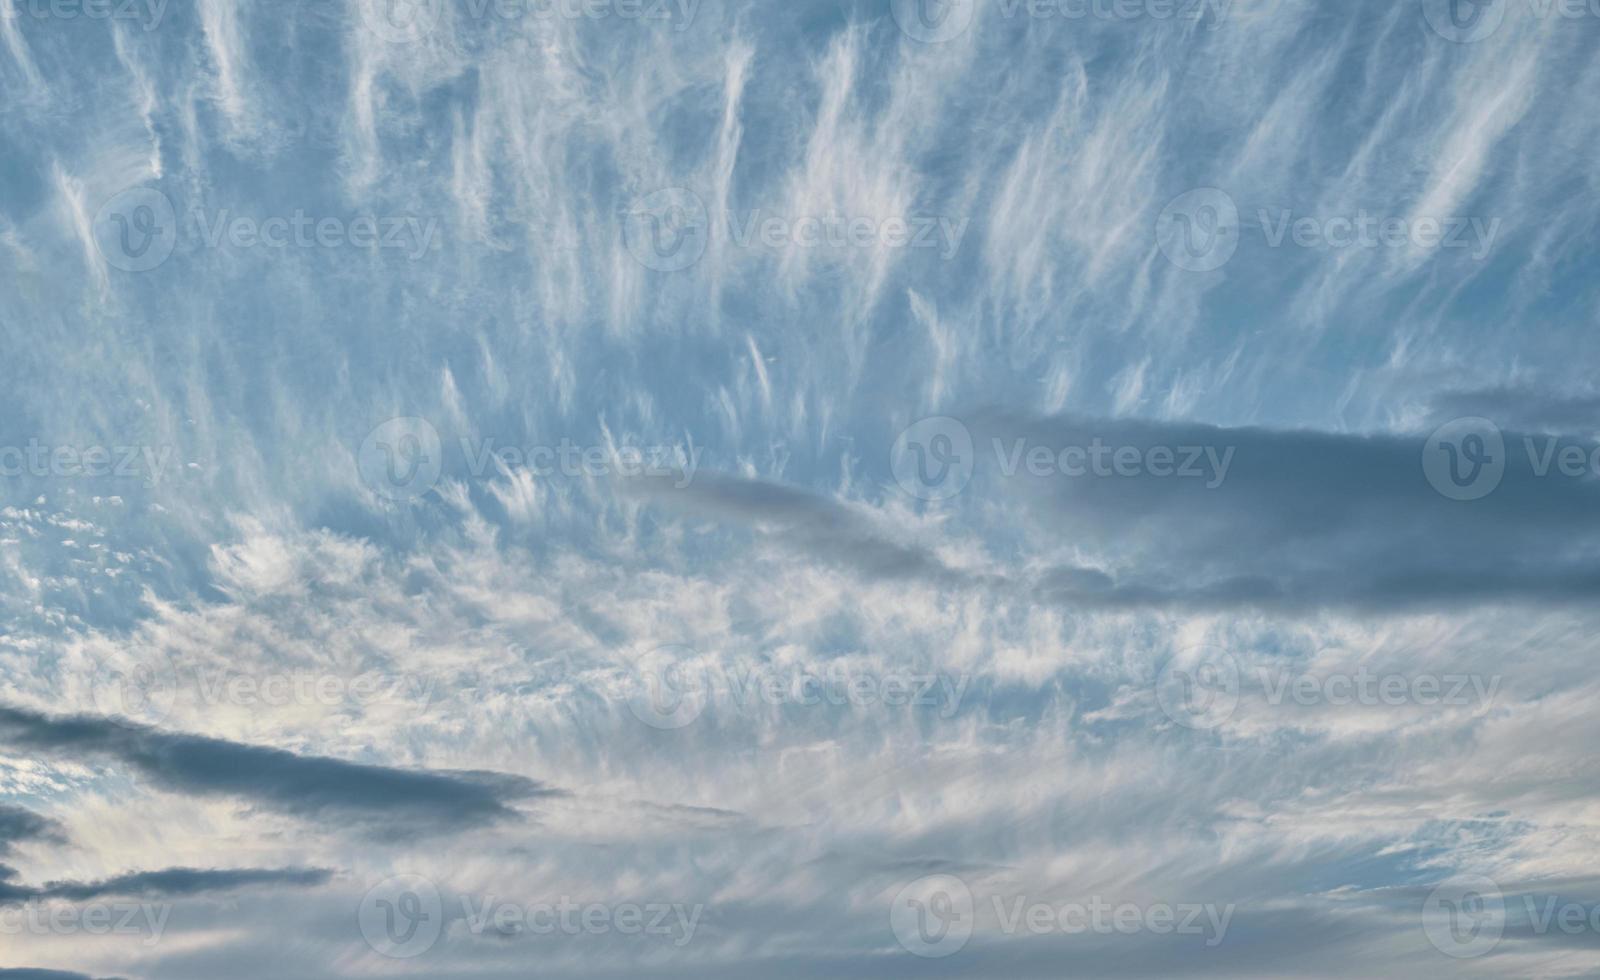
(848, 488)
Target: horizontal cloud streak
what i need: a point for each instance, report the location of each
(18, 825)
(167, 883)
(399, 801)
(1306, 519)
(1293, 520)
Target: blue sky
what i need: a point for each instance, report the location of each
(675, 488)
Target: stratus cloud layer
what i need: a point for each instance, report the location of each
(505, 613)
